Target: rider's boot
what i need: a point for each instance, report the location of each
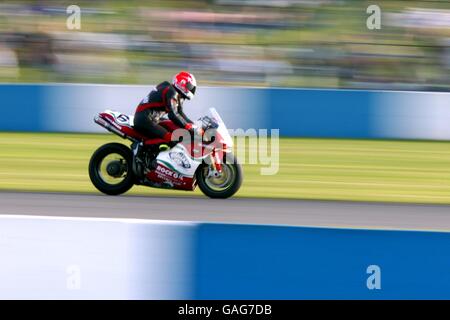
(163, 147)
(167, 146)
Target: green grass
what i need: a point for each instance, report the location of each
(359, 170)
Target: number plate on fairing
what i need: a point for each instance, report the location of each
(121, 119)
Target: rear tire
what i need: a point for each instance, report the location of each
(231, 166)
(94, 169)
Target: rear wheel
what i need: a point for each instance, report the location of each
(224, 185)
(110, 169)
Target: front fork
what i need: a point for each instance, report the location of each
(215, 166)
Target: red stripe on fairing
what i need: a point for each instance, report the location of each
(106, 116)
(154, 141)
(132, 133)
(186, 183)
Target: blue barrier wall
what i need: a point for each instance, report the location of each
(100, 258)
(321, 113)
(296, 112)
(22, 108)
(269, 262)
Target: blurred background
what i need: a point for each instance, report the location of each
(263, 64)
(262, 43)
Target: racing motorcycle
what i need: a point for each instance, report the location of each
(207, 161)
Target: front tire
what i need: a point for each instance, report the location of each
(226, 185)
(110, 169)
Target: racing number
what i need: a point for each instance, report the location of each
(123, 118)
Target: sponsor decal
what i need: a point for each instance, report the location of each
(180, 159)
(169, 173)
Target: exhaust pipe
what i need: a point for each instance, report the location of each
(108, 126)
(111, 128)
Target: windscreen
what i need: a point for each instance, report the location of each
(222, 129)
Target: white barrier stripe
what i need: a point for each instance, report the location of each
(100, 219)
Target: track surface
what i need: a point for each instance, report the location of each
(237, 210)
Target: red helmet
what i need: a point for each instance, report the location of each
(185, 83)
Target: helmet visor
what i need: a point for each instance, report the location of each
(191, 87)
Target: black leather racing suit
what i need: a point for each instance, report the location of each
(164, 99)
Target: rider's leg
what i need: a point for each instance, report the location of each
(144, 125)
(158, 131)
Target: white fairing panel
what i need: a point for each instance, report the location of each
(180, 160)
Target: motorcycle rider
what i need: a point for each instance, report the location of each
(166, 98)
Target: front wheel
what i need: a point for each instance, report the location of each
(110, 169)
(226, 184)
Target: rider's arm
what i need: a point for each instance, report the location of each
(174, 114)
(181, 112)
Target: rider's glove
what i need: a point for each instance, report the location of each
(195, 129)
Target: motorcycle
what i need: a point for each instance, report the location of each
(207, 161)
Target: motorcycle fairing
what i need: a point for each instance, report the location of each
(175, 168)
